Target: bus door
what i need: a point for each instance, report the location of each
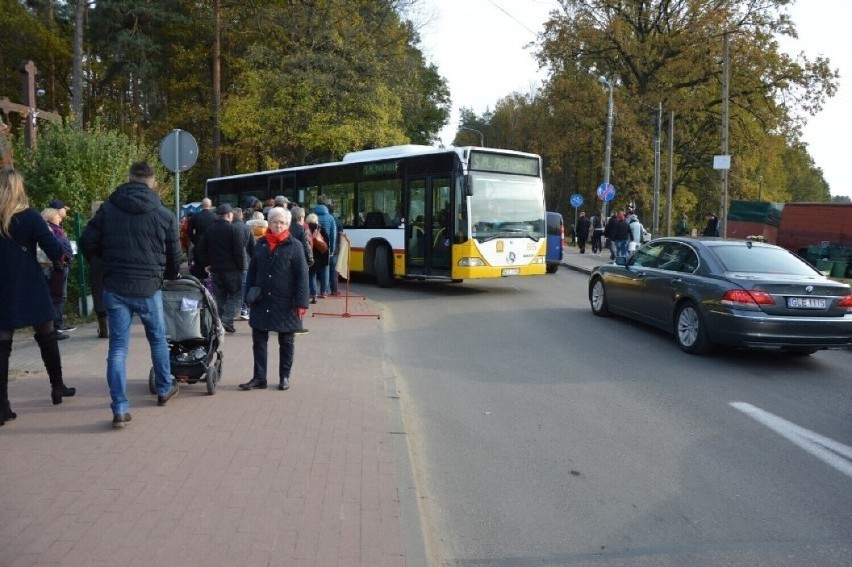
(284, 184)
(427, 226)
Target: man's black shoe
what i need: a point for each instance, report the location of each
(302, 331)
(65, 328)
(254, 384)
(163, 400)
(61, 336)
(284, 384)
(229, 327)
(119, 420)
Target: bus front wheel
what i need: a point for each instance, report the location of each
(382, 267)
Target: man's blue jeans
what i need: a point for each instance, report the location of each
(621, 248)
(120, 310)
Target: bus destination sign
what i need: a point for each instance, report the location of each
(381, 168)
(504, 164)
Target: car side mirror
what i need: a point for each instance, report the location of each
(620, 261)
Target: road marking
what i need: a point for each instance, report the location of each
(827, 450)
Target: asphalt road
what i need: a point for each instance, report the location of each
(542, 435)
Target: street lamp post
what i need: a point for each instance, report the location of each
(608, 152)
(481, 136)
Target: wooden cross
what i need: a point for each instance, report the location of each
(28, 110)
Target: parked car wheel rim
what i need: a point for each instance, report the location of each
(598, 296)
(688, 326)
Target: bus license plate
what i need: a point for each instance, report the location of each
(805, 303)
(511, 271)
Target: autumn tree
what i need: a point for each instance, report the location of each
(671, 53)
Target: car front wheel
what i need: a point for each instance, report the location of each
(690, 331)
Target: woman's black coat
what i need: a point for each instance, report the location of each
(24, 297)
(283, 278)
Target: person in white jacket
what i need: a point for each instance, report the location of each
(635, 231)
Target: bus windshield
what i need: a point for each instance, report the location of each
(504, 205)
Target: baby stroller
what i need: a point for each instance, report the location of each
(194, 333)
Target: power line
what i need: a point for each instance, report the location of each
(519, 22)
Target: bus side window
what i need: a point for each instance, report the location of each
(374, 219)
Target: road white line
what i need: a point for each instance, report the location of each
(827, 450)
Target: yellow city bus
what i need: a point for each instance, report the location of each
(420, 212)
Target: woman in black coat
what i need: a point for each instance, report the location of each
(24, 297)
(278, 267)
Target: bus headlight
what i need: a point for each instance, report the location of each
(538, 260)
(471, 262)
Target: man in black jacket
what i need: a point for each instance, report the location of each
(198, 224)
(136, 238)
(222, 249)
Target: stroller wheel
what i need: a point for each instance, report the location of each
(152, 382)
(212, 378)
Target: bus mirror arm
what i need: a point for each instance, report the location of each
(467, 188)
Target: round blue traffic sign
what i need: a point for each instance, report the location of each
(576, 200)
(606, 191)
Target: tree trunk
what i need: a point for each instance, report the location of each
(77, 65)
(217, 86)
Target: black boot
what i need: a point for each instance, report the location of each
(5, 410)
(53, 364)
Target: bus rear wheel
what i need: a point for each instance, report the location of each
(382, 267)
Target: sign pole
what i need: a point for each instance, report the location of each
(177, 174)
(177, 158)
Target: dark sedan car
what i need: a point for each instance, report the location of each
(728, 292)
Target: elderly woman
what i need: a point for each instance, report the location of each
(279, 269)
(59, 277)
(24, 298)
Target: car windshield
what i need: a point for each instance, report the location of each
(760, 259)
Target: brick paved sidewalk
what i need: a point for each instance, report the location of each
(302, 477)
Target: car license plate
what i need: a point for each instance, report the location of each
(805, 303)
(511, 271)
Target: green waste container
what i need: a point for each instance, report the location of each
(824, 265)
(838, 269)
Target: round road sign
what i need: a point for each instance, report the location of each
(576, 200)
(606, 191)
(178, 151)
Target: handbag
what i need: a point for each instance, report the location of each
(320, 245)
(253, 295)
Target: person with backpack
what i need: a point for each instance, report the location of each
(636, 231)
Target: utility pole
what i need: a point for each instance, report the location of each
(608, 151)
(671, 176)
(655, 223)
(723, 209)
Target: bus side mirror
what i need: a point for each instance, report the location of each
(467, 187)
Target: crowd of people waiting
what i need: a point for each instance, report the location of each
(132, 244)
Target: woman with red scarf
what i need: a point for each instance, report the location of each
(278, 267)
